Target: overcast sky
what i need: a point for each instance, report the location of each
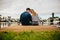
(15, 7)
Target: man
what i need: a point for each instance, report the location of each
(26, 17)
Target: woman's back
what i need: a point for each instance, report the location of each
(35, 20)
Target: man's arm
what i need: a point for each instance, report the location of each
(30, 18)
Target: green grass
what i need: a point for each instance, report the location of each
(42, 35)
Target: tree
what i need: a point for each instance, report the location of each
(0, 18)
(52, 19)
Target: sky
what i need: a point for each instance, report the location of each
(43, 8)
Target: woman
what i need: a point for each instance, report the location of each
(35, 18)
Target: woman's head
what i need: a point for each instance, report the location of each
(33, 12)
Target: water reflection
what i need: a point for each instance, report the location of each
(6, 24)
(9, 23)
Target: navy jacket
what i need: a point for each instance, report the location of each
(25, 18)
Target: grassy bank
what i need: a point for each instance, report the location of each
(42, 35)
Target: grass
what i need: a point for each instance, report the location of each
(42, 35)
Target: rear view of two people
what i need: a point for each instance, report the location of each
(29, 17)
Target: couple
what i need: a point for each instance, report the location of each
(29, 17)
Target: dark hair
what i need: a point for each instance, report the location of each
(27, 8)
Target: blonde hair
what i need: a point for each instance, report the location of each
(33, 12)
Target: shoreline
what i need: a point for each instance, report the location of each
(18, 28)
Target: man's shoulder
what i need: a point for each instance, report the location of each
(25, 12)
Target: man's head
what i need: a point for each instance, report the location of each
(28, 9)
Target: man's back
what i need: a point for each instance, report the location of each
(25, 18)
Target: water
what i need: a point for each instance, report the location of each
(7, 24)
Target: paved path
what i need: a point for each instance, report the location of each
(18, 28)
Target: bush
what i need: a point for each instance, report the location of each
(42, 35)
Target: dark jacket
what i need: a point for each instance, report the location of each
(25, 18)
